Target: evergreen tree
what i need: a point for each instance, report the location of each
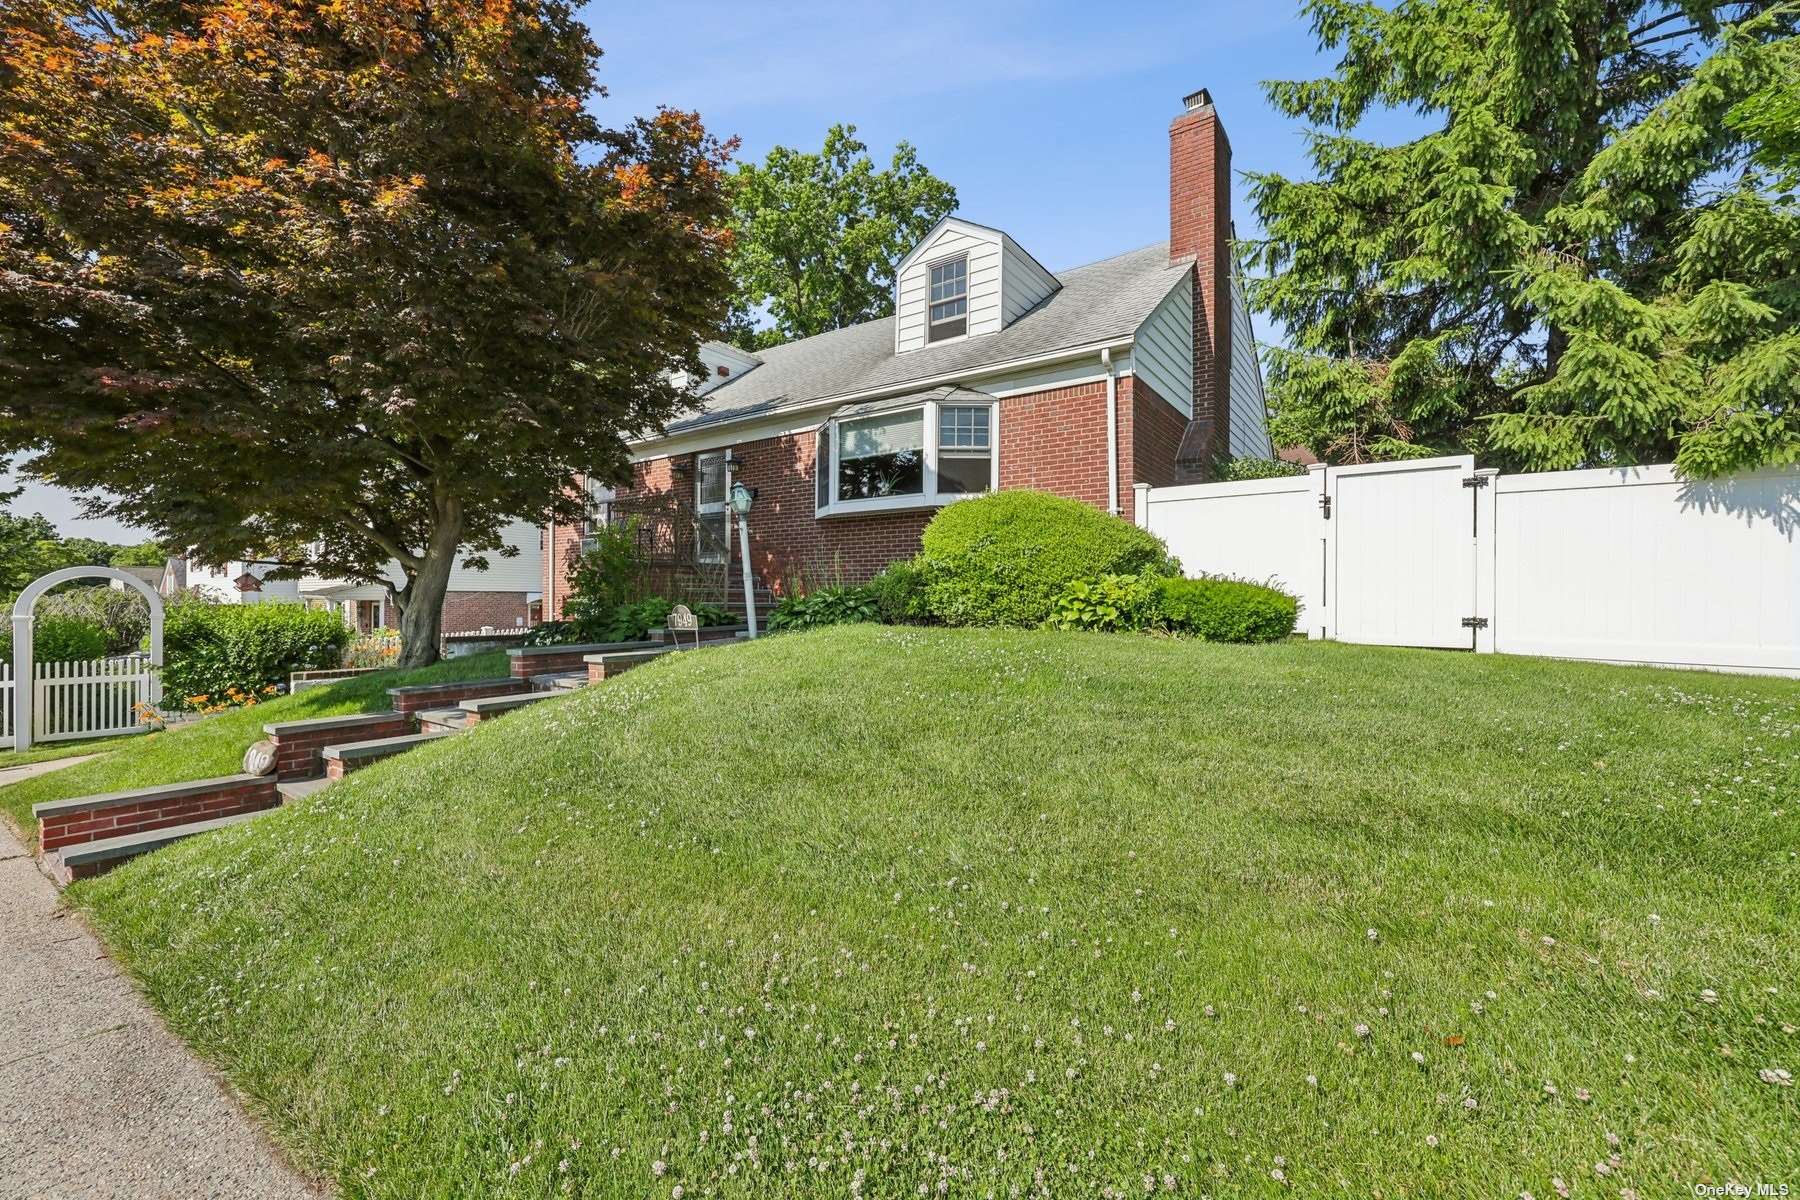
(1591, 259)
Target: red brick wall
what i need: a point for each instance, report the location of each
(407, 701)
(465, 611)
(77, 826)
(1200, 229)
(1054, 440)
(297, 753)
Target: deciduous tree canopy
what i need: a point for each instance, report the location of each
(1592, 259)
(350, 284)
(818, 235)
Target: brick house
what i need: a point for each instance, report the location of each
(993, 372)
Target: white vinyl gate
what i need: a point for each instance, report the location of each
(89, 699)
(1619, 564)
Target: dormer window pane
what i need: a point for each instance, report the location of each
(949, 299)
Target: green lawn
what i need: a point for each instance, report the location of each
(907, 912)
(45, 751)
(216, 745)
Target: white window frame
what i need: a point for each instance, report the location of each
(826, 435)
(966, 316)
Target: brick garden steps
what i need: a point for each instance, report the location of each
(86, 835)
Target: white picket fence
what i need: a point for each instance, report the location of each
(70, 700)
(1630, 565)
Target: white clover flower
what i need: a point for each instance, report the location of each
(1417, 1057)
(1312, 1081)
(1373, 934)
(1362, 1031)
(659, 1168)
(1230, 1079)
(1776, 1076)
(1431, 1139)
(1469, 1103)
(1708, 996)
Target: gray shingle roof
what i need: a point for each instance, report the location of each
(1100, 301)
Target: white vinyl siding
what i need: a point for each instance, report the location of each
(1004, 281)
(1024, 282)
(1249, 410)
(1163, 355)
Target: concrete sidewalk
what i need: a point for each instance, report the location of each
(97, 1097)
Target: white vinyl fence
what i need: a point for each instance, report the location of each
(6, 706)
(89, 699)
(1624, 565)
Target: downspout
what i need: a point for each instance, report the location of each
(1112, 431)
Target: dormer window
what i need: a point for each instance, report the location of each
(949, 315)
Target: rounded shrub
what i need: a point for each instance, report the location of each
(59, 638)
(217, 653)
(1228, 610)
(1002, 559)
(899, 594)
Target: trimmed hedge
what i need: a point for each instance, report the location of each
(1228, 610)
(58, 638)
(1004, 558)
(214, 650)
(899, 594)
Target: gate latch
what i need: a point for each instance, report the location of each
(1325, 506)
(1474, 622)
(1476, 481)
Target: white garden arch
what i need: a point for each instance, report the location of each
(23, 619)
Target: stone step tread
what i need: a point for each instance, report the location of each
(378, 747)
(297, 789)
(629, 655)
(553, 680)
(455, 685)
(491, 705)
(445, 720)
(131, 844)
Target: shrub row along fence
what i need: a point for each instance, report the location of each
(1633, 564)
(70, 700)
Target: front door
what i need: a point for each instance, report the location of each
(712, 532)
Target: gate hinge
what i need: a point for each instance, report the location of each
(1476, 481)
(1474, 622)
(1325, 506)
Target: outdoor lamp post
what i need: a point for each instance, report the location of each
(741, 499)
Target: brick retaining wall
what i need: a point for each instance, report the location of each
(116, 814)
(297, 743)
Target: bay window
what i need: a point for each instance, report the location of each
(912, 453)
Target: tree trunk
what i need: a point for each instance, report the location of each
(421, 601)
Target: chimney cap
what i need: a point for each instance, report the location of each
(1196, 100)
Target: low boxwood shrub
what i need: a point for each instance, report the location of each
(899, 594)
(1228, 610)
(824, 606)
(58, 638)
(1003, 559)
(229, 653)
(1108, 604)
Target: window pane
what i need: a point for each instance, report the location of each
(711, 540)
(937, 331)
(963, 427)
(960, 473)
(712, 479)
(883, 455)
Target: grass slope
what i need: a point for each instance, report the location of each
(46, 751)
(216, 745)
(898, 912)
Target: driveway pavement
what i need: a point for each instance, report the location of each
(97, 1098)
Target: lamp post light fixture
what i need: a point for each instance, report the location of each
(740, 500)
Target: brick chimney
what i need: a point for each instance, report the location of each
(1200, 232)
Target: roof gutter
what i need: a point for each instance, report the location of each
(968, 375)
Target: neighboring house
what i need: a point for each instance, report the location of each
(992, 373)
(505, 596)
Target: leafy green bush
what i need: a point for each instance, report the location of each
(824, 606)
(1109, 603)
(58, 638)
(225, 653)
(899, 594)
(1228, 610)
(1003, 559)
(550, 633)
(608, 574)
(122, 615)
(1235, 469)
(633, 622)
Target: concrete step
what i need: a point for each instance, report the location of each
(341, 760)
(486, 709)
(87, 859)
(446, 720)
(298, 789)
(560, 681)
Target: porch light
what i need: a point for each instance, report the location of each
(739, 500)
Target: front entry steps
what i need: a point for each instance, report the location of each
(85, 836)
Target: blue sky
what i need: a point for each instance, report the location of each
(1051, 119)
